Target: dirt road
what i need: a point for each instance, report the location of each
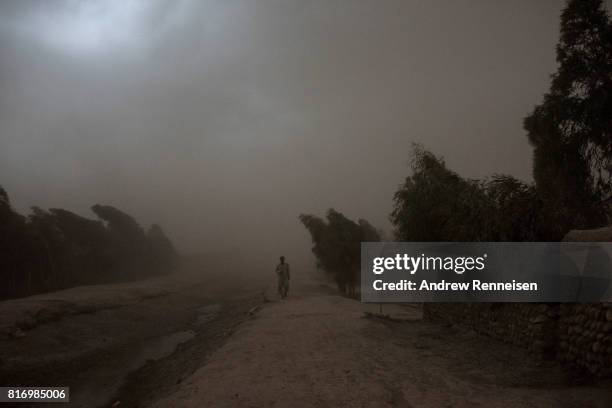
(317, 349)
(212, 344)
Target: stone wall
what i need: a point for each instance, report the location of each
(532, 326)
(585, 337)
(585, 330)
(577, 335)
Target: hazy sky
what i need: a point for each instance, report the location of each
(224, 120)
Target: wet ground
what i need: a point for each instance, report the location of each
(133, 353)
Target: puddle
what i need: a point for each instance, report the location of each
(105, 381)
(162, 347)
(207, 313)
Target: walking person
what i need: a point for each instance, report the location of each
(282, 272)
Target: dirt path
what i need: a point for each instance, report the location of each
(317, 349)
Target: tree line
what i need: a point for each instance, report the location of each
(336, 246)
(571, 135)
(54, 249)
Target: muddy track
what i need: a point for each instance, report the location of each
(159, 378)
(133, 352)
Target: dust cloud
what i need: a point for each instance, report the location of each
(223, 121)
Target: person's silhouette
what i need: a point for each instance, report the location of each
(282, 272)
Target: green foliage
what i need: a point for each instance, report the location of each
(436, 204)
(56, 249)
(16, 248)
(571, 130)
(515, 210)
(337, 245)
(162, 250)
(129, 241)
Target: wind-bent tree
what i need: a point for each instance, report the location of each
(436, 204)
(571, 130)
(337, 245)
(90, 253)
(14, 248)
(128, 239)
(516, 211)
(163, 254)
(55, 249)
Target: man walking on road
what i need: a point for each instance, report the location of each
(282, 271)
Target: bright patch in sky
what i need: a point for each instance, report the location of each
(83, 26)
(86, 25)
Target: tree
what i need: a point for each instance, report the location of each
(128, 239)
(571, 130)
(54, 249)
(53, 244)
(163, 253)
(14, 246)
(436, 204)
(337, 245)
(516, 211)
(90, 253)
